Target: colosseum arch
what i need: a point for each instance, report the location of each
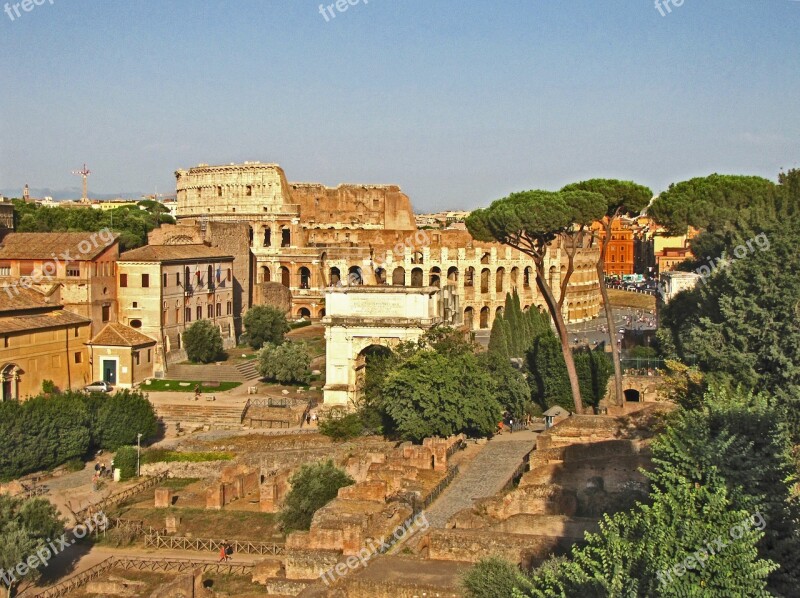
(435, 277)
(399, 277)
(452, 275)
(417, 278)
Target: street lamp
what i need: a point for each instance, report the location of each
(138, 452)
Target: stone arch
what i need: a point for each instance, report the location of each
(267, 236)
(632, 396)
(485, 273)
(485, 258)
(286, 277)
(355, 276)
(435, 277)
(335, 277)
(500, 280)
(321, 313)
(527, 277)
(399, 277)
(417, 258)
(484, 318)
(469, 318)
(304, 312)
(266, 276)
(10, 375)
(452, 275)
(380, 276)
(286, 236)
(417, 278)
(469, 277)
(514, 277)
(305, 278)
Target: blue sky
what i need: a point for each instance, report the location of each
(459, 102)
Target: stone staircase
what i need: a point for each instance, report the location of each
(248, 369)
(215, 416)
(205, 373)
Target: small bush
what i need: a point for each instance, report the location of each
(342, 428)
(203, 342)
(125, 461)
(287, 363)
(75, 464)
(49, 387)
(313, 487)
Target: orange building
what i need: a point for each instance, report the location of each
(620, 255)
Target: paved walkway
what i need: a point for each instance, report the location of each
(484, 476)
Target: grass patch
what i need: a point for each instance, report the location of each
(619, 298)
(187, 386)
(201, 523)
(167, 456)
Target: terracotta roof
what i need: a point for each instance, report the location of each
(118, 335)
(58, 318)
(16, 298)
(42, 246)
(173, 253)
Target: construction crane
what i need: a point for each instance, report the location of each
(84, 172)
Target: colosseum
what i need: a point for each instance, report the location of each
(300, 238)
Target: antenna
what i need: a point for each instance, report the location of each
(84, 172)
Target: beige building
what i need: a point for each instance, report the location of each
(121, 356)
(308, 237)
(82, 264)
(39, 340)
(163, 289)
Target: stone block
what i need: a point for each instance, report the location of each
(163, 498)
(173, 523)
(267, 570)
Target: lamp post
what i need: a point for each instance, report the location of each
(138, 452)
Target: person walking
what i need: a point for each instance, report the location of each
(223, 553)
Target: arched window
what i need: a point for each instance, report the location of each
(210, 281)
(417, 278)
(452, 275)
(399, 277)
(305, 279)
(355, 277)
(380, 276)
(335, 277)
(265, 275)
(267, 236)
(286, 277)
(286, 237)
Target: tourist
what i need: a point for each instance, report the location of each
(308, 419)
(223, 552)
(511, 425)
(197, 393)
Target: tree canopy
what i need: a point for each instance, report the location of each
(313, 486)
(203, 342)
(288, 363)
(265, 324)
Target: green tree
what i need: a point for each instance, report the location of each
(493, 578)
(594, 372)
(433, 394)
(203, 342)
(265, 324)
(122, 416)
(623, 199)
(313, 486)
(531, 222)
(287, 363)
(548, 378)
(126, 460)
(345, 427)
(26, 525)
(498, 343)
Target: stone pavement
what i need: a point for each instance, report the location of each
(484, 476)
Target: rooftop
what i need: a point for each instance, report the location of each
(18, 298)
(119, 335)
(58, 318)
(173, 253)
(48, 246)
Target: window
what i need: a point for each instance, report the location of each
(249, 190)
(165, 279)
(5, 342)
(145, 281)
(73, 271)
(229, 274)
(199, 312)
(219, 309)
(210, 311)
(187, 316)
(149, 355)
(178, 278)
(76, 332)
(136, 357)
(25, 268)
(106, 313)
(135, 305)
(230, 308)
(5, 269)
(78, 357)
(123, 280)
(136, 324)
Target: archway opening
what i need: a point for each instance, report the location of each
(632, 396)
(416, 278)
(305, 278)
(484, 318)
(265, 275)
(399, 277)
(286, 277)
(10, 380)
(452, 275)
(469, 318)
(380, 276)
(304, 312)
(355, 277)
(373, 364)
(336, 277)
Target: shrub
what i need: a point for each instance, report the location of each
(493, 577)
(125, 461)
(203, 342)
(342, 428)
(287, 363)
(75, 464)
(265, 324)
(121, 417)
(49, 387)
(313, 487)
(42, 433)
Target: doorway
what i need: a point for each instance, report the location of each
(109, 371)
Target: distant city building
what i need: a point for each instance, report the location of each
(164, 289)
(83, 265)
(122, 356)
(6, 217)
(619, 259)
(673, 283)
(40, 340)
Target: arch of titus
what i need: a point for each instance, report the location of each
(361, 317)
(308, 238)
